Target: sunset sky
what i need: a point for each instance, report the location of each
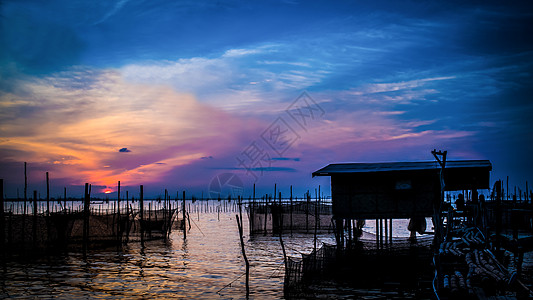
(170, 94)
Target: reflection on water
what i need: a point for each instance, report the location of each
(208, 264)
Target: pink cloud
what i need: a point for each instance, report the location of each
(161, 128)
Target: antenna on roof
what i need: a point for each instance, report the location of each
(440, 156)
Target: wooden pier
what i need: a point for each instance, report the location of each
(462, 258)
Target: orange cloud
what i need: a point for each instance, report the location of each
(82, 129)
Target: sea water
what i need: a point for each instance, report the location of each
(207, 264)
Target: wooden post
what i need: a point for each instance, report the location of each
(507, 189)
(86, 213)
(307, 212)
(390, 231)
(318, 211)
(118, 212)
(291, 209)
(527, 192)
(252, 213)
(316, 227)
(381, 233)
(25, 185)
(25, 204)
(440, 156)
(498, 214)
(2, 221)
(47, 194)
(34, 227)
(141, 213)
(183, 211)
(165, 214)
(239, 224)
(266, 213)
(339, 226)
(377, 234)
(386, 237)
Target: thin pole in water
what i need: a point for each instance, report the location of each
(239, 224)
(25, 207)
(25, 185)
(47, 194)
(183, 209)
(86, 207)
(2, 229)
(290, 199)
(141, 213)
(34, 227)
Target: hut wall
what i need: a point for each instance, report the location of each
(385, 195)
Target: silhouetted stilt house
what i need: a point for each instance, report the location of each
(386, 191)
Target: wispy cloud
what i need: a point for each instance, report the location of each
(231, 81)
(397, 86)
(118, 5)
(81, 130)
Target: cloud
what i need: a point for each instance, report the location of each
(262, 169)
(76, 131)
(285, 158)
(240, 52)
(235, 80)
(375, 88)
(118, 5)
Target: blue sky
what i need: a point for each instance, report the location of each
(187, 87)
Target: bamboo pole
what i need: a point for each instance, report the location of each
(308, 199)
(386, 236)
(252, 212)
(507, 188)
(377, 233)
(390, 230)
(34, 227)
(118, 212)
(183, 211)
(498, 215)
(25, 184)
(239, 224)
(316, 228)
(527, 193)
(25, 204)
(2, 221)
(86, 213)
(141, 213)
(47, 195)
(318, 211)
(290, 199)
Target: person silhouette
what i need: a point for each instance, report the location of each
(460, 202)
(416, 224)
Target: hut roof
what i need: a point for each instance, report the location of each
(348, 168)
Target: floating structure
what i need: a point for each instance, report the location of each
(388, 191)
(385, 192)
(33, 226)
(304, 215)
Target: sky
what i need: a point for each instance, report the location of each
(196, 95)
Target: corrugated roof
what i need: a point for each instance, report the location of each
(398, 166)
